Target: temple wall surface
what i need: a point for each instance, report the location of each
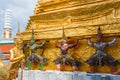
(80, 19)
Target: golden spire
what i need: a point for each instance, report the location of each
(18, 27)
(18, 34)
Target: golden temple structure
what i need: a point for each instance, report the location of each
(80, 18)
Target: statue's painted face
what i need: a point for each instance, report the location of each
(63, 41)
(32, 42)
(99, 38)
(18, 42)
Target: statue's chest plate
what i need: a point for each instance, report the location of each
(100, 46)
(64, 49)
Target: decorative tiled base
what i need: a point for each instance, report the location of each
(61, 75)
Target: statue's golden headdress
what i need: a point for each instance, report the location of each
(63, 35)
(99, 33)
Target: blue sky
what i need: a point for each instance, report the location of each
(21, 11)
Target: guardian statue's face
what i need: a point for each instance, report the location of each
(63, 41)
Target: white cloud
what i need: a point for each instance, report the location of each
(21, 10)
(25, 3)
(1, 17)
(1, 11)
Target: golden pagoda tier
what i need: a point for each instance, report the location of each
(80, 18)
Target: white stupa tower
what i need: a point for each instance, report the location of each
(7, 30)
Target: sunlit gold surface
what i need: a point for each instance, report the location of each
(80, 18)
(1, 63)
(16, 57)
